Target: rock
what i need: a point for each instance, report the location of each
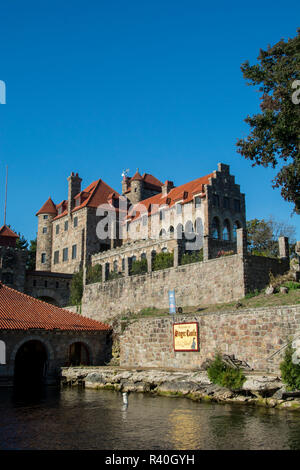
(260, 385)
(283, 290)
(269, 290)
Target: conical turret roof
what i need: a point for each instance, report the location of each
(48, 208)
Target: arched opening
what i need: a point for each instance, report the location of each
(2, 352)
(179, 232)
(215, 228)
(226, 230)
(236, 225)
(31, 363)
(162, 233)
(78, 354)
(171, 231)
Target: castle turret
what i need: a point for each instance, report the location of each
(136, 186)
(44, 237)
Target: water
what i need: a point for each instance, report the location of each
(79, 419)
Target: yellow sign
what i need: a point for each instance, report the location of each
(186, 336)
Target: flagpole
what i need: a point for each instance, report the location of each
(5, 196)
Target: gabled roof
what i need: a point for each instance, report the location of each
(19, 311)
(48, 208)
(184, 193)
(5, 231)
(95, 194)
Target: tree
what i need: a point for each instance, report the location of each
(262, 235)
(274, 139)
(76, 288)
(30, 266)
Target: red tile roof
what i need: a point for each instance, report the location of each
(150, 181)
(48, 208)
(19, 311)
(184, 192)
(5, 231)
(94, 195)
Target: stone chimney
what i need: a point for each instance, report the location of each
(74, 187)
(166, 188)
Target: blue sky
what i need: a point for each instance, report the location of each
(97, 87)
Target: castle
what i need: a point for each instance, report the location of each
(99, 225)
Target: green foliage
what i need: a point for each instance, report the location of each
(76, 288)
(221, 374)
(274, 139)
(31, 258)
(139, 267)
(292, 285)
(252, 294)
(193, 257)
(94, 274)
(114, 275)
(148, 311)
(290, 373)
(262, 236)
(163, 261)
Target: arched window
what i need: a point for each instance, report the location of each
(179, 232)
(215, 228)
(199, 226)
(164, 250)
(115, 265)
(171, 231)
(236, 225)
(2, 352)
(226, 230)
(162, 233)
(143, 256)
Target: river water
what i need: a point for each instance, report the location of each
(82, 419)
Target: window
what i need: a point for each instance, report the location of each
(123, 264)
(66, 225)
(74, 251)
(216, 228)
(226, 230)
(65, 254)
(237, 205)
(162, 215)
(44, 229)
(57, 229)
(57, 284)
(143, 256)
(216, 200)
(43, 258)
(115, 266)
(56, 257)
(45, 217)
(236, 225)
(145, 220)
(75, 221)
(34, 283)
(226, 203)
(77, 203)
(178, 209)
(46, 283)
(197, 201)
(2, 352)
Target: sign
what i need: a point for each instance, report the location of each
(186, 336)
(172, 304)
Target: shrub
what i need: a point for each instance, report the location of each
(94, 274)
(252, 294)
(193, 257)
(292, 285)
(114, 275)
(290, 372)
(225, 376)
(76, 288)
(139, 267)
(163, 261)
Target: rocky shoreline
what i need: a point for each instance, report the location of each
(258, 389)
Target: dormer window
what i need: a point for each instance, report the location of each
(77, 203)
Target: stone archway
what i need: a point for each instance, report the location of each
(31, 363)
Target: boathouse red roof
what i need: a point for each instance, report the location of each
(19, 311)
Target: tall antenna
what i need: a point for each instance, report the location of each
(5, 196)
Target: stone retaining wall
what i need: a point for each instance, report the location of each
(252, 335)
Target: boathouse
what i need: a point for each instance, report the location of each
(37, 339)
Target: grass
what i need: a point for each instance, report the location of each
(252, 300)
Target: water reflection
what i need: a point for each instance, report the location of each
(92, 419)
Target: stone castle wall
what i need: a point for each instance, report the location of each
(256, 336)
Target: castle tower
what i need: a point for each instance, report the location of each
(74, 187)
(44, 237)
(136, 194)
